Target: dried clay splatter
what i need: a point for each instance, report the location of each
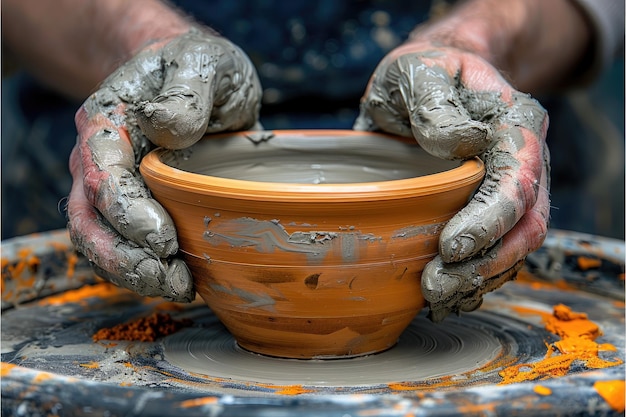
(577, 344)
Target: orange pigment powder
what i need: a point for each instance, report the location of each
(144, 329)
(287, 389)
(80, 295)
(577, 343)
(541, 390)
(90, 365)
(20, 274)
(199, 402)
(584, 263)
(613, 393)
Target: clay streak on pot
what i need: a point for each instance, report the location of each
(253, 300)
(413, 231)
(266, 236)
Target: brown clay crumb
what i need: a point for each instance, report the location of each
(144, 329)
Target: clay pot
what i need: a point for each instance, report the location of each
(310, 244)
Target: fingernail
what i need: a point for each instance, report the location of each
(163, 242)
(178, 282)
(462, 247)
(150, 272)
(438, 286)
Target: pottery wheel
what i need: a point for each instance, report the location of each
(424, 352)
(51, 364)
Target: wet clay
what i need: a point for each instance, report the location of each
(308, 159)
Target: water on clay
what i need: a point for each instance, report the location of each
(425, 351)
(308, 159)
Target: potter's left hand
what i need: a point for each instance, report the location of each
(458, 106)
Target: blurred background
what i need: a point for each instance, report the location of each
(313, 76)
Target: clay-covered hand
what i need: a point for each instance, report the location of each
(170, 94)
(458, 106)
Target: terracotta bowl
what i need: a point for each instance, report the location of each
(310, 244)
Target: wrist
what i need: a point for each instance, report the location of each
(135, 25)
(482, 27)
(518, 37)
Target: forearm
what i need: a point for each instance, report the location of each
(538, 45)
(73, 45)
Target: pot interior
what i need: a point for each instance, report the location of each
(308, 158)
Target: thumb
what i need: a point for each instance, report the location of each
(439, 120)
(179, 115)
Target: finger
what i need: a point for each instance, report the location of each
(427, 96)
(451, 291)
(460, 286)
(210, 85)
(119, 261)
(113, 185)
(511, 186)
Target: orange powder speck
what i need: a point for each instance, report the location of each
(287, 389)
(42, 376)
(6, 368)
(90, 365)
(606, 347)
(19, 277)
(488, 409)
(585, 263)
(79, 296)
(58, 246)
(525, 277)
(444, 382)
(577, 343)
(541, 390)
(72, 261)
(613, 393)
(397, 386)
(567, 324)
(199, 402)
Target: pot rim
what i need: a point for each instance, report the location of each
(156, 172)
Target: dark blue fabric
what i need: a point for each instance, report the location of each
(324, 48)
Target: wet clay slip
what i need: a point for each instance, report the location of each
(310, 243)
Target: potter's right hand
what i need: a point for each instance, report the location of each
(170, 94)
(457, 106)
